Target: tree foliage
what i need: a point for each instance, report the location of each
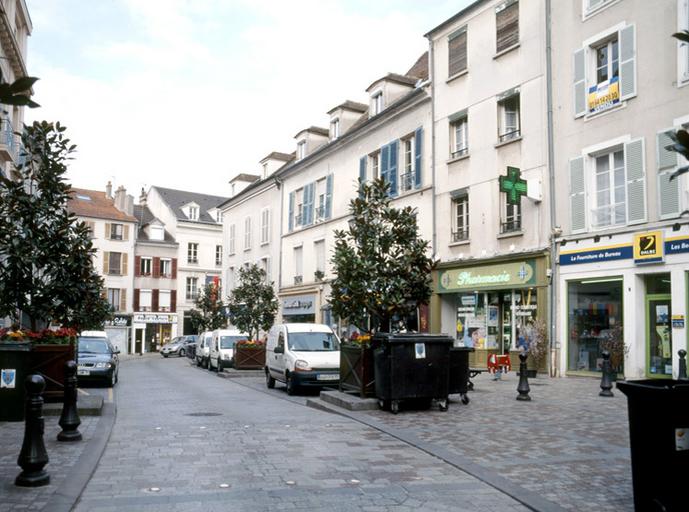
(381, 263)
(46, 254)
(18, 92)
(252, 303)
(680, 138)
(209, 313)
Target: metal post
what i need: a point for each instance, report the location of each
(523, 387)
(606, 378)
(69, 419)
(33, 457)
(682, 365)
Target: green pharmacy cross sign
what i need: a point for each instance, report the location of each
(513, 185)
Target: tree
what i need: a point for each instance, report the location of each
(383, 271)
(209, 313)
(252, 303)
(46, 266)
(680, 139)
(18, 92)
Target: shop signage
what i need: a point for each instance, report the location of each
(119, 321)
(154, 318)
(608, 253)
(677, 245)
(298, 305)
(604, 95)
(648, 247)
(678, 321)
(513, 185)
(504, 275)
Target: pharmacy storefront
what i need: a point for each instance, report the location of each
(488, 306)
(627, 295)
(152, 331)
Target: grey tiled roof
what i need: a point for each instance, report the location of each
(145, 217)
(175, 199)
(350, 105)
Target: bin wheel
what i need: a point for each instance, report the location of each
(470, 386)
(395, 406)
(442, 404)
(465, 399)
(381, 403)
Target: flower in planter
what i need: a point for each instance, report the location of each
(361, 340)
(251, 344)
(60, 336)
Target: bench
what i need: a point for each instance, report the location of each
(473, 372)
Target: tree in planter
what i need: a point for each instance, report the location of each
(46, 267)
(382, 269)
(209, 313)
(252, 304)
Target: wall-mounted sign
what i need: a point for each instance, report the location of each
(676, 245)
(298, 305)
(648, 247)
(678, 321)
(513, 185)
(590, 255)
(604, 95)
(155, 318)
(119, 321)
(503, 275)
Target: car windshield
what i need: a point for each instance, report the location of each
(229, 341)
(313, 342)
(93, 346)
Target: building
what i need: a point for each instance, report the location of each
(113, 231)
(491, 225)
(194, 221)
(619, 86)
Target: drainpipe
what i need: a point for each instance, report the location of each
(552, 287)
(434, 239)
(279, 186)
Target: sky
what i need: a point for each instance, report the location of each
(187, 94)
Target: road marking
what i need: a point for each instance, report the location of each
(110, 395)
(83, 392)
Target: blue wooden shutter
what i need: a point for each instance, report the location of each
(362, 174)
(577, 195)
(580, 82)
(418, 142)
(392, 169)
(636, 181)
(627, 45)
(384, 163)
(290, 214)
(328, 196)
(307, 213)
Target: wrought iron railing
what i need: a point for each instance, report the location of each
(511, 225)
(460, 235)
(407, 180)
(608, 215)
(512, 134)
(298, 279)
(459, 152)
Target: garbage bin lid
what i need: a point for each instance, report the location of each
(653, 387)
(413, 337)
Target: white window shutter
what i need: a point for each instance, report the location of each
(668, 191)
(636, 181)
(580, 82)
(577, 195)
(627, 41)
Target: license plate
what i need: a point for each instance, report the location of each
(328, 376)
(83, 372)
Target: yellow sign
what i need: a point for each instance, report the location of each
(649, 247)
(604, 95)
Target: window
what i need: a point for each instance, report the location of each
(460, 227)
(146, 265)
(682, 47)
(375, 163)
(459, 136)
(218, 254)
(609, 204)
(407, 177)
(230, 278)
(265, 170)
(165, 267)
(607, 61)
(507, 25)
(591, 6)
(512, 217)
(231, 239)
(377, 103)
(301, 149)
(192, 253)
(265, 226)
(334, 129)
(319, 250)
(145, 300)
(299, 216)
(192, 288)
(116, 231)
(156, 233)
(265, 265)
(115, 263)
(114, 298)
(193, 213)
(298, 265)
(508, 118)
(247, 233)
(92, 228)
(218, 216)
(164, 300)
(457, 51)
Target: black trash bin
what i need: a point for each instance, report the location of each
(459, 372)
(659, 440)
(411, 366)
(14, 365)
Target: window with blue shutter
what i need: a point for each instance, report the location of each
(385, 163)
(418, 141)
(328, 196)
(668, 191)
(393, 148)
(307, 213)
(362, 173)
(290, 212)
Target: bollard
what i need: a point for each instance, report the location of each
(682, 365)
(69, 419)
(523, 387)
(606, 378)
(33, 457)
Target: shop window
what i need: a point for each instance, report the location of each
(594, 321)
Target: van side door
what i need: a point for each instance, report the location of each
(277, 365)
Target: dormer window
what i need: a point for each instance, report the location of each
(156, 233)
(377, 103)
(218, 216)
(334, 129)
(301, 149)
(193, 213)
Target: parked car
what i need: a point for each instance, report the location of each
(221, 353)
(302, 355)
(203, 343)
(177, 346)
(96, 358)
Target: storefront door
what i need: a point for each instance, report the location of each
(658, 336)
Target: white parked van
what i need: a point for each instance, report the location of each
(222, 348)
(302, 355)
(203, 343)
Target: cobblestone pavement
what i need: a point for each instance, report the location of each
(186, 440)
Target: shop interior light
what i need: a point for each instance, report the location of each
(601, 280)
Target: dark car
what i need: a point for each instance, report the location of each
(179, 346)
(97, 360)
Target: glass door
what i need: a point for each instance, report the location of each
(658, 336)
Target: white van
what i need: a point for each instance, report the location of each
(203, 343)
(222, 348)
(302, 355)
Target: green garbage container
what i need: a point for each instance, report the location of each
(14, 365)
(659, 441)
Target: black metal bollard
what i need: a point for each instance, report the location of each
(682, 365)
(606, 378)
(33, 457)
(523, 387)
(69, 419)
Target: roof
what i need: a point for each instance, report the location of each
(394, 77)
(176, 199)
(420, 68)
(350, 105)
(454, 18)
(275, 155)
(314, 129)
(245, 177)
(94, 203)
(146, 217)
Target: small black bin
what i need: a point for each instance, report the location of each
(659, 441)
(459, 372)
(14, 364)
(411, 366)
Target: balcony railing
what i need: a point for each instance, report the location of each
(511, 226)
(298, 279)
(192, 295)
(512, 134)
(460, 235)
(608, 215)
(407, 181)
(460, 152)
(7, 139)
(319, 213)
(298, 219)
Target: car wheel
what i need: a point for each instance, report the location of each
(181, 352)
(270, 381)
(111, 381)
(117, 377)
(291, 387)
(198, 363)
(219, 365)
(165, 355)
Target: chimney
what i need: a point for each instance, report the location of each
(121, 199)
(143, 197)
(108, 190)
(129, 204)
